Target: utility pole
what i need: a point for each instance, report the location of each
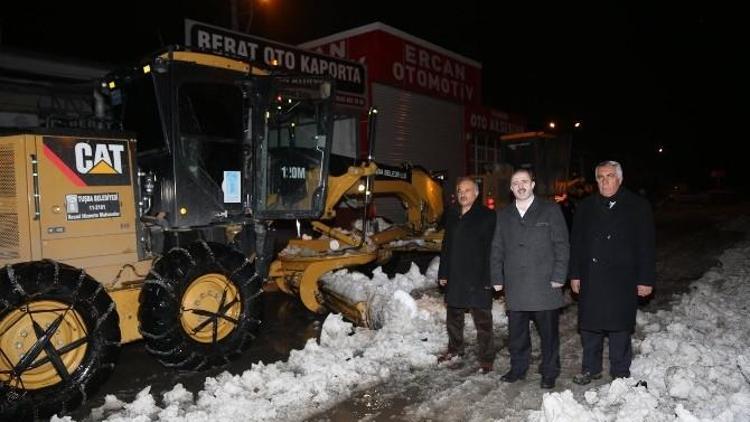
(235, 14)
(251, 13)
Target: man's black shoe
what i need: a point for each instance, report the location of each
(547, 383)
(586, 377)
(511, 376)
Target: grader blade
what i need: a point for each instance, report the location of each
(299, 275)
(354, 311)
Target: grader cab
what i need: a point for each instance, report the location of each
(155, 230)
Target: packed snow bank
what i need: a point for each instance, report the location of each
(381, 293)
(315, 378)
(694, 359)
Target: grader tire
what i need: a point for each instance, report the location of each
(200, 306)
(59, 339)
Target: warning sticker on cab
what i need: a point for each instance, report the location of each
(87, 206)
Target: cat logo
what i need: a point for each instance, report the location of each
(99, 158)
(90, 162)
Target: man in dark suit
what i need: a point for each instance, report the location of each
(465, 273)
(612, 263)
(529, 259)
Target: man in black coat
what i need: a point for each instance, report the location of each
(529, 260)
(465, 272)
(612, 263)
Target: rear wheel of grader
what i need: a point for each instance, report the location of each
(200, 306)
(59, 338)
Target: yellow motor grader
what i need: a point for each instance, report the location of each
(157, 228)
(154, 229)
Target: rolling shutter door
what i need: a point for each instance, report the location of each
(417, 129)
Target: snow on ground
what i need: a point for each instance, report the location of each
(346, 359)
(692, 363)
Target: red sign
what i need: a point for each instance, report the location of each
(396, 58)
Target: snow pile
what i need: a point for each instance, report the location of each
(693, 364)
(380, 291)
(563, 407)
(694, 359)
(315, 378)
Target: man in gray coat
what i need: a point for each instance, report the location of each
(529, 260)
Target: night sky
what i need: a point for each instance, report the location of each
(638, 75)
